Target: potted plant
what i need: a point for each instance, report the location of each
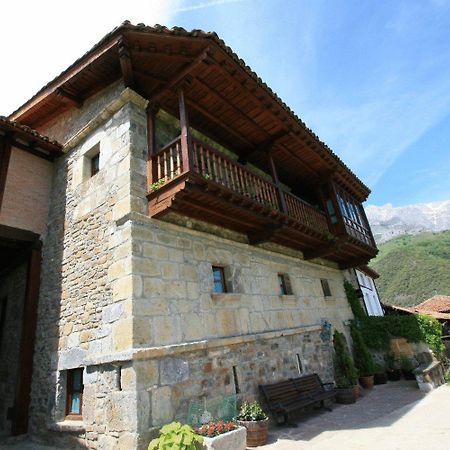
(380, 376)
(222, 435)
(255, 420)
(177, 437)
(407, 367)
(363, 359)
(344, 370)
(392, 369)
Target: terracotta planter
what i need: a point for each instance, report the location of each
(357, 391)
(393, 375)
(345, 395)
(367, 382)
(256, 431)
(380, 378)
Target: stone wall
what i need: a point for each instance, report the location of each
(129, 298)
(12, 287)
(79, 307)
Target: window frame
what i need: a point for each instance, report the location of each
(70, 391)
(95, 164)
(326, 289)
(222, 280)
(284, 283)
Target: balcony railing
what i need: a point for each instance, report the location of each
(218, 168)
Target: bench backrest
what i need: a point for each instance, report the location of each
(308, 384)
(280, 392)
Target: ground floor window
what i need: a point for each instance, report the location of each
(74, 393)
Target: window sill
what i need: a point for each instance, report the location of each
(287, 297)
(225, 296)
(68, 425)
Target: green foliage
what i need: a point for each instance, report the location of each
(157, 184)
(345, 373)
(353, 300)
(378, 331)
(406, 364)
(413, 268)
(175, 436)
(361, 354)
(251, 412)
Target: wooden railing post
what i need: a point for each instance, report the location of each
(152, 169)
(281, 199)
(186, 140)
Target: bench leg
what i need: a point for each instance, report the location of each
(286, 422)
(322, 404)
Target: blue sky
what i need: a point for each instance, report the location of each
(372, 79)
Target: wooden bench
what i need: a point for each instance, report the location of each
(290, 395)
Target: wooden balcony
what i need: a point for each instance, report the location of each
(218, 190)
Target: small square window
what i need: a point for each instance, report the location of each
(95, 164)
(325, 288)
(219, 279)
(74, 393)
(285, 284)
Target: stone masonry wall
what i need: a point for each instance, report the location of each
(80, 312)
(12, 287)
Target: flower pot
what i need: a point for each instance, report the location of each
(233, 440)
(345, 395)
(256, 431)
(357, 391)
(380, 378)
(367, 381)
(393, 374)
(408, 375)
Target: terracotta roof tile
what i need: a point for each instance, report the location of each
(14, 125)
(438, 303)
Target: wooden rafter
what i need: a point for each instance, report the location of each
(202, 57)
(69, 98)
(125, 63)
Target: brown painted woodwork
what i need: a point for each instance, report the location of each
(5, 155)
(152, 110)
(186, 141)
(180, 75)
(69, 98)
(22, 401)
(273, 170)
(70, 392)
(125, 63)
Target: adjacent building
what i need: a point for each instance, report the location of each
(180, 235)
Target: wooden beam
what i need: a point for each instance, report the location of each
(187, 152)
(280, 193)
(203, 56)
(34, 149)
(88, 59)
(152, 169)
(17, 234)
(5, 155)
(259, 236)
(69, 98)
(29, 319)
(125, 63)
(325, 250)
(194, 105)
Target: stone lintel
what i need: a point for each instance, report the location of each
(126, 96)
(174, 349)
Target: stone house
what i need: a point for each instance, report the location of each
(180, 235)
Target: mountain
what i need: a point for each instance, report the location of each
(413, 268)
(388, 221)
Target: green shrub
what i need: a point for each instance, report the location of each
(361, 354)
(251, 412)
(378, 331)
(345, 373)
(354, 301)
(175, 436)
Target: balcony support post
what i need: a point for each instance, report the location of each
(281, 199)
(186, 140)
(152, 170)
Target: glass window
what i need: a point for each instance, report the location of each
(74, 392)
(325, 288)
(285, 284)
(95, 164)
(219, 279)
